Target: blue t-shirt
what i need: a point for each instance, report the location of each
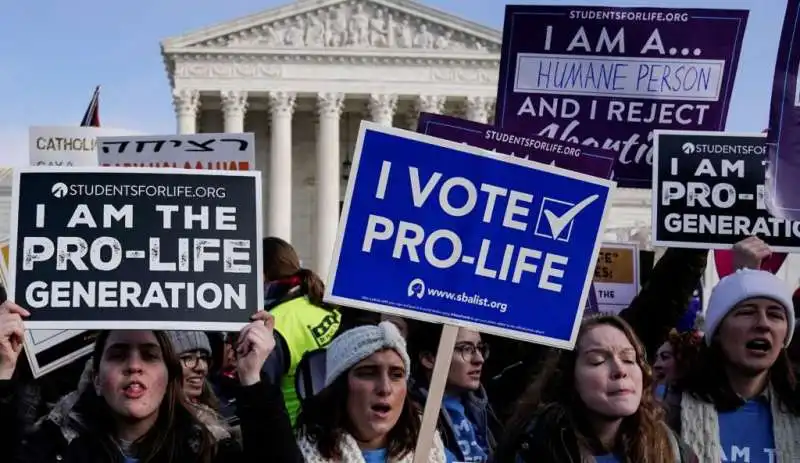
(374, 456)
(464, 431)
(609, 458)
(746, 433)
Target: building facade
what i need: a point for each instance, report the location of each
(302, 77)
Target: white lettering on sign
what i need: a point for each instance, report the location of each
(494, 203)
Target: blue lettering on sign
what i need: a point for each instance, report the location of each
(444, 232)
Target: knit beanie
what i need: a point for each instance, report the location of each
(742, 285)
(189, 341)
(356, 344)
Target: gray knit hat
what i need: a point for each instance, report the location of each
(189, 341)
(356, 344)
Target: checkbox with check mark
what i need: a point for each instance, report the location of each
(557, 217)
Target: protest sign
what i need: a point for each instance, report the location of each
(607, 77)
(708, 192)
(67, 146)
(104, 248)
(783, 187)
(616, 276)
(587, 160)
(213, 151)
(448, 233)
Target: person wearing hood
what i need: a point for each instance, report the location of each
(741, 397)
(467, 422)
(363, 413)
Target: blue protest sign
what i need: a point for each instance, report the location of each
(448, 233)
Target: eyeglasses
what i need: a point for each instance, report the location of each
(192, 360)
(468, 351)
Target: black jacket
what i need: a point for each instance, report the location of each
(266, 431)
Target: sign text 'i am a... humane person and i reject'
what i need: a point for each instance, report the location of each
(574, 74)
(145, 241)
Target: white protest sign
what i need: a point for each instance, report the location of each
(616, 276)
(67, 146)
(213, 151)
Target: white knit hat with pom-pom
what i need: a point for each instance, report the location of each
(356, 344)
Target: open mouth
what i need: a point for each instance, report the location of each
(195, 381)
(381, 409)
(759, 345)
(134, 390)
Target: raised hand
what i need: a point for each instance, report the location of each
(256, 341)
(12, 335)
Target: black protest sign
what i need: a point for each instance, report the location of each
(111, 248)
(708, 192)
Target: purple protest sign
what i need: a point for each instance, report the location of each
(608, 77)
(598, 163)
(783, 137)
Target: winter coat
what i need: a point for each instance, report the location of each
(478, 411)
(61, 436)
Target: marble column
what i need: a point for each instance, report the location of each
(187, 104)
(280, 174)
(433, 104)
(479, 108)
(382, 108)
(234, 107)
(329, 107)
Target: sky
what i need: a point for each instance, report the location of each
(54, 52)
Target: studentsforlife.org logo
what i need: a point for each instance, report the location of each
(688, 148)
(59, 190)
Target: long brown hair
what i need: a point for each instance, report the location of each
(323, 419)
(281, 261)
(642, 437)
(169, 439)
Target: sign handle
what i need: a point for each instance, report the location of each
(444, 356)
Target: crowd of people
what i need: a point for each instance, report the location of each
(306, 381)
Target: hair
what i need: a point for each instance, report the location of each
(685, 347)
(642, 437)
(281, 261)
(707, 380)
(423, 338)
(323, 420)
(168, 440)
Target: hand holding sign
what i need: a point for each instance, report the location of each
(12, 332)
(256, 342)
(750, 252)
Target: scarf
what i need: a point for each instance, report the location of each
(700, 429)
(350, 453)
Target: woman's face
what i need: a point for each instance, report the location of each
(132, 375)
(664, 366)
(376, 395)
(608, 377)
(753, 333)
(195, 370)
(467, 364)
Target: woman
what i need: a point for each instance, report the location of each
(134, 410)
(674, 358)
(303, 322)
(363, 414)
(468, 424)
(741, 400)
(594, 403)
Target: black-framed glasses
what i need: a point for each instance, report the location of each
(467, 351)
(191, 360)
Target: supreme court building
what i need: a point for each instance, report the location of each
(301, 77)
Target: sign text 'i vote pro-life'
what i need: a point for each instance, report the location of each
(160, 248)
(606, 77)
(445, 232)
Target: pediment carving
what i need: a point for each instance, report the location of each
(353, 25)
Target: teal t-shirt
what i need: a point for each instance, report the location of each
(374, 456)
(610, 458)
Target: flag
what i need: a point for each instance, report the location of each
(91, 118)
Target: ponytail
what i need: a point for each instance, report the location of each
(312, 286)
